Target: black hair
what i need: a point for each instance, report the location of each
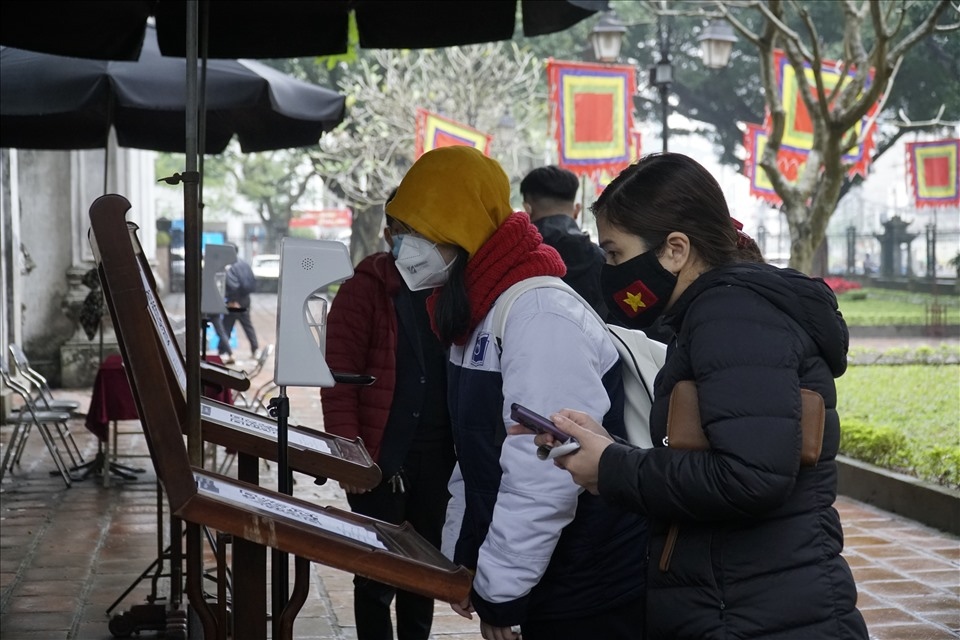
(452, 313)
(667, 192)
(550, 182)
(391, 196)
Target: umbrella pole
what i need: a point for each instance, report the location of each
(106, 168)
(192, 232)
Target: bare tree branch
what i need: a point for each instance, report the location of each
(786, 32)
(925, 28)
(741, 28)
(476, 85)
(864, 81)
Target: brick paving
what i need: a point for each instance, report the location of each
(66, 555)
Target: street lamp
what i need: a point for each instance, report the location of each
(606, 37)
(717, 41)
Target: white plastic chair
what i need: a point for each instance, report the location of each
(25, 419)
(43, 400)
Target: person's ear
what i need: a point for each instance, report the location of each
(388, 237)
(576, 210)
(676, 252)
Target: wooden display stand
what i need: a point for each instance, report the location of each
(388, 553)
(254, 437)
(315, 453)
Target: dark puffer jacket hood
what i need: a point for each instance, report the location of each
(809, 301)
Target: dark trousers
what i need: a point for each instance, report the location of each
(625, 622)
(223, 338)
(423, 503)
(244, 318)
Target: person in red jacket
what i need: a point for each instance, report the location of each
(377, 326)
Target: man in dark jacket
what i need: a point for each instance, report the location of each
(378, 326)
(549, 198)
(240, 283)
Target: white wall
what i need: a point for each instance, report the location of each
(54, 191)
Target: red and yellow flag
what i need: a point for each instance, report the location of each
(789, 161)
(593, 115)
(933, 173)
(636, 148)
(435, 131)
(798, 129)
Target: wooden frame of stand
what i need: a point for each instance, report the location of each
(253, 436)
(315, 453)
(388, 553)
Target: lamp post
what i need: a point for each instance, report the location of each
(505, 130)
(661, 76)
(606, 37)
(716, 43)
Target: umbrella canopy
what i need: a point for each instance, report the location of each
(109, 29)
(58, 102)
(279, 28)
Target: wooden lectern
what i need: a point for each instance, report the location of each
(254, 437)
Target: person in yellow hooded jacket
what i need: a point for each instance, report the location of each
(547, 557)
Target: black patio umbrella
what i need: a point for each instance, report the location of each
(59, 102)
(260, 29)
(278, 29)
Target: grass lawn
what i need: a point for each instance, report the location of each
(905, 417)
(879, 307)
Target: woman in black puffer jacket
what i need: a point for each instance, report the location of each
(755, 551)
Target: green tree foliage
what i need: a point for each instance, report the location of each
(911, 48)
(929, 75)
(274, 183)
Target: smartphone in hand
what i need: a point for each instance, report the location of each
(533, 420)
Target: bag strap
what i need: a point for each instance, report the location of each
(508, 297)
(625, 350)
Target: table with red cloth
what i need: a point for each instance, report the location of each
(112, 399)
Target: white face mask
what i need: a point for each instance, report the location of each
(420, 263)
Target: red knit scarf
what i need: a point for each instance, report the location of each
(513, 253)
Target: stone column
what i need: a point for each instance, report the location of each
(49, 196)
(129, 173)
(10, 324)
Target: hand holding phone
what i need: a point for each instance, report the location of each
(536, 422)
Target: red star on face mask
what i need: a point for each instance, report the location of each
(635, 298)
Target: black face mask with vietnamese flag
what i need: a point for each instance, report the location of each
(637, 290)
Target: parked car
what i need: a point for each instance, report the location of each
(266, 269)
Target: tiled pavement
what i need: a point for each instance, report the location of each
(67, 554)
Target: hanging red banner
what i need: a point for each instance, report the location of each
(932, 169)
(798, 127)
(636, 148)
(435, 131)
(593, 115)
(789, 161)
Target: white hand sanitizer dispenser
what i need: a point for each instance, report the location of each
(306, 267)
